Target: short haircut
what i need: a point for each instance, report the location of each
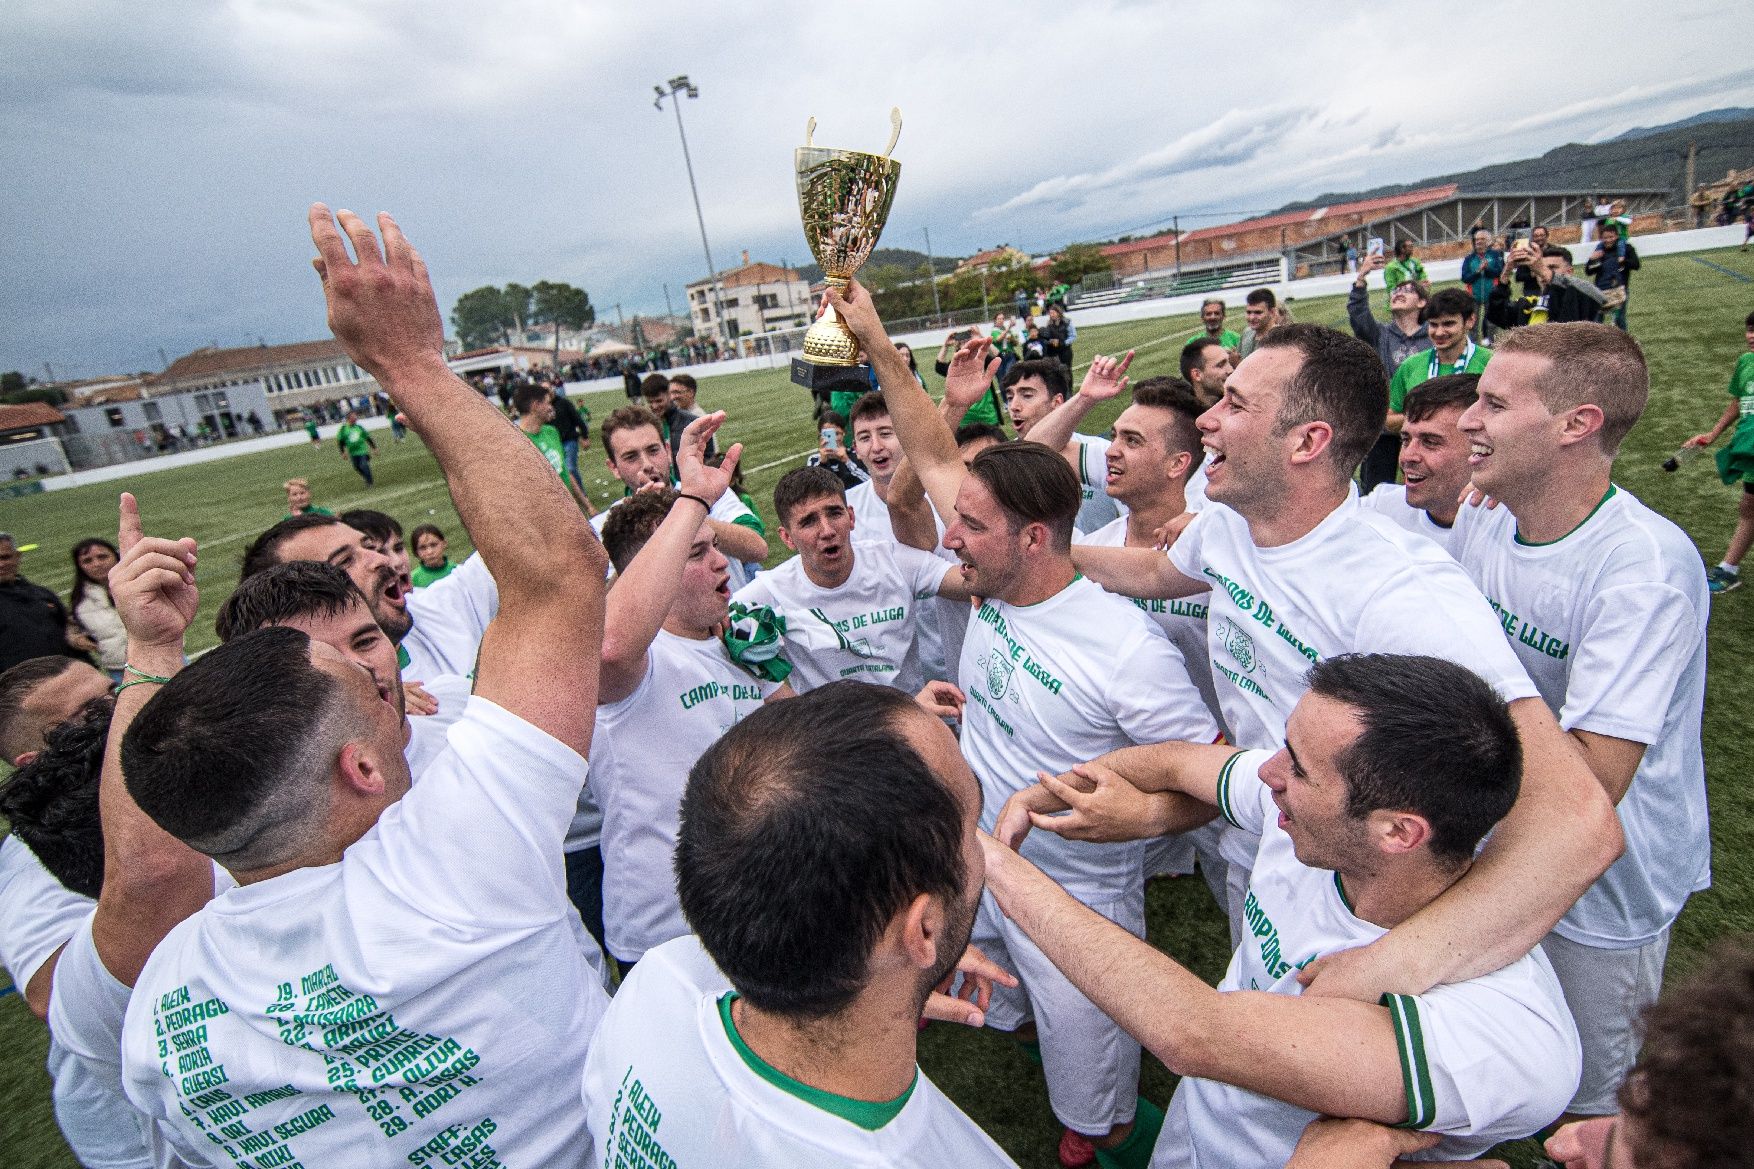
(1341, 382)
(833, 418)
(296, 482)
(264, 550)
(1053, 375)
(286, 592)
(1193, 358)
(1032, 484)
(230, 756)
(800, 486)
(654, 384)
(1435, 739)
(1689, 1089)
(627, 418)
(1262, 296)
(1587, 364)
(423, 530)
(1217, 300)
(632, 522)
(980, 432)
(684, 379)
(1428, 397)
(867, 406)
(51, 802)
(16, 686)
(1558, 252)
(789, 874)
(1176, 396)
(1746, 324)
(380, 526)
(1450, 302)
(525, 397)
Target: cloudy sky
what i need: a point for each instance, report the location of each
(158, 157)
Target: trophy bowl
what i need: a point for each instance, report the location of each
(844, 198)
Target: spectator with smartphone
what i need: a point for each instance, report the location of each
(1558, 295)
(1395, 340)
(833, 454)
(1523, 268)
(1481, 269)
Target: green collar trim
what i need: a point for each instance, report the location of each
(1518, 537)
(864, 1113)
(1340, 888)
(402, 658)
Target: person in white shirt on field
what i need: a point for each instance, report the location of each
(782, 1033)
(1298, 572)
(1054, 669)
(1606, 604)
(853, 609)
(1392, 770)
(1034, 390)
(398, 977)
(1433, 460)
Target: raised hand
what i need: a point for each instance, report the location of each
(153, 583)
(855, 308)
(969, 1004)
(941, 700)
(694, 476)
(971, 372)
(381, 308)
(1106, 378)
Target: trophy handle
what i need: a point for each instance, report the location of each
(894, 130)
(810, 132)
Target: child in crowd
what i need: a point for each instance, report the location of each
(430, 550)
(298, 499)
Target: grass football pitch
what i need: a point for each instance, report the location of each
(1687, 314)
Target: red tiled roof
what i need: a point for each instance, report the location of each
(1384, 205)
(211, 362)
(29, 414)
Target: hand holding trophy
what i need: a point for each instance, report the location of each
(844, 197)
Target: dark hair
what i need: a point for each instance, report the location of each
(1053, 375)
(1449, 302)
(1560, 252)
(423, 530)
(631, 523)
(1341, 382)
(285, 592)
(1262, 296)
(1193, 356)
(1749, 323)
(684, 379)
(1689, 1089)
(1178, 397)
(17, 683)
(800, 486)
(654, 384)
(264, 550)
(51, 801)
(77, 593)
(788, 873)
(1404, 242)
(1438, 393)
(224, 757)
(525, 397)
(832, 418)
(978, 431)
(1033, 484)
(867, 406)
(379, 526)
(1437, 740)
(627, 418)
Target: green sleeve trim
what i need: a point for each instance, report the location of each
(753, 523)
(1224, 789)
(868, 1115)
(1415, 1071)
(402, 658)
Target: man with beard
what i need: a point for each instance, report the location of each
(1434, 460)
(782, 1032)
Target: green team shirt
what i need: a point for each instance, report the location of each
(313, 510)
(423, 576)
(986, 410)
(353, 438)
(1735, 462)
(1397, 272)
(311, 429)
(1417, 368)
(547, 441)
(1229, 338)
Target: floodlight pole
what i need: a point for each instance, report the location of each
(679, 85)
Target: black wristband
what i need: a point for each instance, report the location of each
(696, 498)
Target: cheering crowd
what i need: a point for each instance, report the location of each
(351, 888)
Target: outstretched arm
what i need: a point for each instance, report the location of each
(538, 546)
(152, 880)
(1135, 572)
(910, 516)
(1106, 378)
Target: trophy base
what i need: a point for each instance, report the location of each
(829, 342)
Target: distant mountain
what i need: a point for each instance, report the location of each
(902, 256)
(1736, 114)
(1638, 160)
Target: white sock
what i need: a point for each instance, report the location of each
(1732, 569)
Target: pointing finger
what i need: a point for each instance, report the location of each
(128, 529)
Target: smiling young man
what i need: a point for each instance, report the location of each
(1434, 460)
(1055, 670)
(1036, 390)
(1299, 571)
(1449, 318)
(1605, 603)
(1392, 770)
(853, 609)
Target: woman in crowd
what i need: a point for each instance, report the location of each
(91, 606)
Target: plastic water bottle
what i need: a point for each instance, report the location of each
(1687, 453)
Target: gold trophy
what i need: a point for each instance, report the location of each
(844, 198)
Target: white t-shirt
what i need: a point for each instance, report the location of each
(641, 753)
(1486, 1060)
(1390, 501)
(1058, 683)
(942, 621)
(450, 615)
(1610, 622)
(670, 1083)
(427, 733)
(1182, 620)
(1099, 507)
(427, 1000)
(728, 510)
(37, 916)
(867, 629)
(1194, 494)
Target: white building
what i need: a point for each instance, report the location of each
(301, 374)
(756, 298)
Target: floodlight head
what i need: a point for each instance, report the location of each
(680, 81)
(692, 91)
